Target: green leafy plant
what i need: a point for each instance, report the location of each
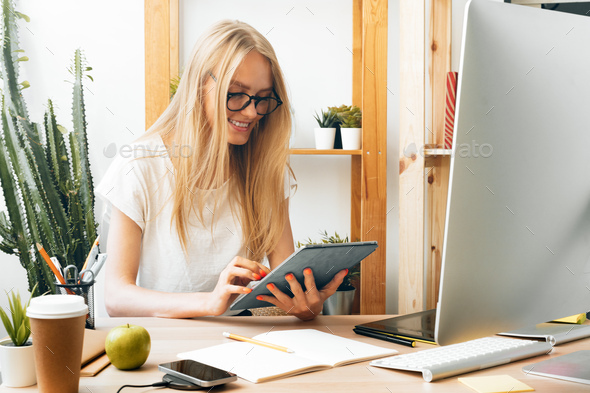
(339, 109)
(18, 327)
(174, 83)
(44, 171)
(354, 273)
(328, 119)
(351, 118)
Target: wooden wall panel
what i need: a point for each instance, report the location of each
(174, 38)
(411, 163)
(374, 168)
(157, 59)
(357, 98)
(437, 175)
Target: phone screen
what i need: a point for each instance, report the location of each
(196, 370)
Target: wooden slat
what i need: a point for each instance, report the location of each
(374, 172)
(157, 59)
(356, 162)
(440, 64)
(438, 175)
(357, 99)
(411, 163)
(174, 38)
(438, 186)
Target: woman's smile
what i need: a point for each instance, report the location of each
(239, 126)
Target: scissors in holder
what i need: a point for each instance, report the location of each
(72, 276)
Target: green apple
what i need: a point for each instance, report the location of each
(128, 346)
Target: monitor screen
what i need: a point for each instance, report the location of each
(516, 250)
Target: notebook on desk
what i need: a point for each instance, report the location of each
(313, 350)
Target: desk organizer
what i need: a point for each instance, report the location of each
(86, 290)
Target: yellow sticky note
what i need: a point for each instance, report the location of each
(578, 318)
(496, 384)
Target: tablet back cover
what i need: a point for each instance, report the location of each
(325, 260)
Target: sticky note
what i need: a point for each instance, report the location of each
(496, 384)
(578, 318)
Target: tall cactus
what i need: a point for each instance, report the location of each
(49, 200)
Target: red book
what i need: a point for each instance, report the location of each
(451, 97)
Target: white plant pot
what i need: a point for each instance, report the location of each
(324, 138)
(351, 138)
(17, 365)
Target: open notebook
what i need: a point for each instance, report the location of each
(314, 350)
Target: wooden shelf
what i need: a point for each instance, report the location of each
(327, 152)
(437, 152)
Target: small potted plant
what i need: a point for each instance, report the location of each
(340, 303)
(326, 132)
(17, 358)
(338, 110)
(350, 128)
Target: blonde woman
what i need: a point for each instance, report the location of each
(203, 197)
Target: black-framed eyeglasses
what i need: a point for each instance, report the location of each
(239, 101)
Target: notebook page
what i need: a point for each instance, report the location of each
(325, 348)
(252, 362)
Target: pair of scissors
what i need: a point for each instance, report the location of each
(72, 276)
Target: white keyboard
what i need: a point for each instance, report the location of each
(443, 362)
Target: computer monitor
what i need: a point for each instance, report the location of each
(516, 249)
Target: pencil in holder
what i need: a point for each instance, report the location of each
(84, 289)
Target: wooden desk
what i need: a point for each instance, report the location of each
(170, 337)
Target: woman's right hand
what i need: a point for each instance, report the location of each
(232, 282)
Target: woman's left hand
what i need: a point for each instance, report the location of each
(305, 305)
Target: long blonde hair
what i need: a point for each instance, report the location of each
(258, 167)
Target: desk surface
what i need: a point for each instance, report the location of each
(170, 337)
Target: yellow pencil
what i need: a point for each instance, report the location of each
(257, 342)
(90, 253)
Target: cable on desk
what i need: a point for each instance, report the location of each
(154, 385)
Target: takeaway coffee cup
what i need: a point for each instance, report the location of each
(57, 329)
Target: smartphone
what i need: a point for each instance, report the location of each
(197, 373)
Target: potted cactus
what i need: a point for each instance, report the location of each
(350, 128)
(326, 132)
(17, 358)
(340, 303)
(44, 171)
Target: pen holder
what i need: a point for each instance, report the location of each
(86, 290)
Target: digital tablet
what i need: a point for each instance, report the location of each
(325, 260)
(417, 326)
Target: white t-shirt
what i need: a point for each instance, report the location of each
(141, 188)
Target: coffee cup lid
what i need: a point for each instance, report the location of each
(57, 307)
